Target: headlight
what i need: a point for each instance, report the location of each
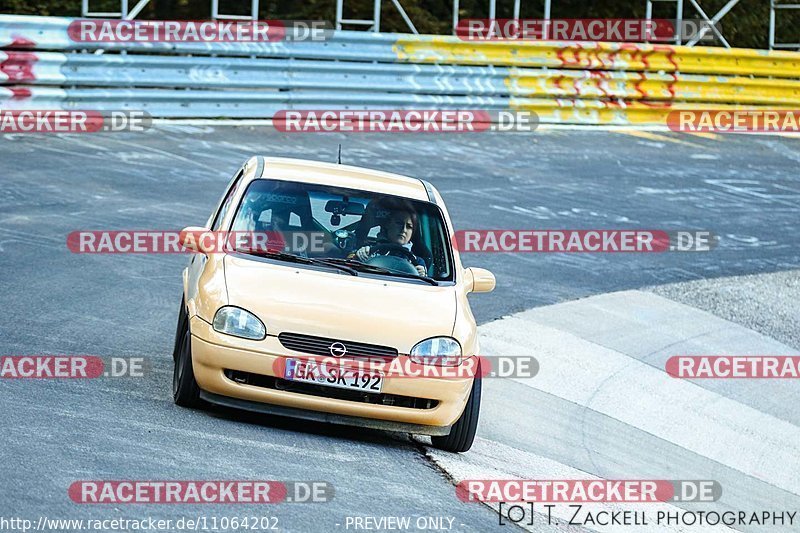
(239, 323)
(440, 351)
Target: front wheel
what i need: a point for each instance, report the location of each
(462, 434)
(185, 391)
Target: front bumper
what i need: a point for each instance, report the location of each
(213, 353)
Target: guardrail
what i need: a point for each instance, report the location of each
(590, 83)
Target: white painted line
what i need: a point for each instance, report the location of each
(491, 460)
(541, 127)
(213, 122)
(620, 386)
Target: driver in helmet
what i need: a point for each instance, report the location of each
(397, 228)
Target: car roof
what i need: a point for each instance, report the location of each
(318, 172)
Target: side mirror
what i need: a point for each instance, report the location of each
(197, 239)
(482, 280)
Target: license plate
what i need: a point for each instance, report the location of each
(333, 376)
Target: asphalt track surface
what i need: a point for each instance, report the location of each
(743, 188)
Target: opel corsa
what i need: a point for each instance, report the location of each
(365, 272)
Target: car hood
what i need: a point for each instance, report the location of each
(374, 310)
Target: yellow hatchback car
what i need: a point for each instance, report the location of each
(366, 271)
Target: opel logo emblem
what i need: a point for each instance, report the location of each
(338, 349)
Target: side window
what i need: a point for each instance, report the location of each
(226, 203)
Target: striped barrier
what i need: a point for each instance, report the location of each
(115, 70)
(631, 57)
(587, 83)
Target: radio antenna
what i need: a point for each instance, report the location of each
(339, 157)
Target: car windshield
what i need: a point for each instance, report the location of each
(367, 231)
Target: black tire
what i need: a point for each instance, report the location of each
(185, 391)
(462, 434)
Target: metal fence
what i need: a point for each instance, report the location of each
(589, 83)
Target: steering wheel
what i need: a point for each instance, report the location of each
(396, 250)
(392, 256)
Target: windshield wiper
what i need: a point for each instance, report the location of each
(292, 258)
(380, 270)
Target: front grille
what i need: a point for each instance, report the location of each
(269, 382)
(322, 346)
